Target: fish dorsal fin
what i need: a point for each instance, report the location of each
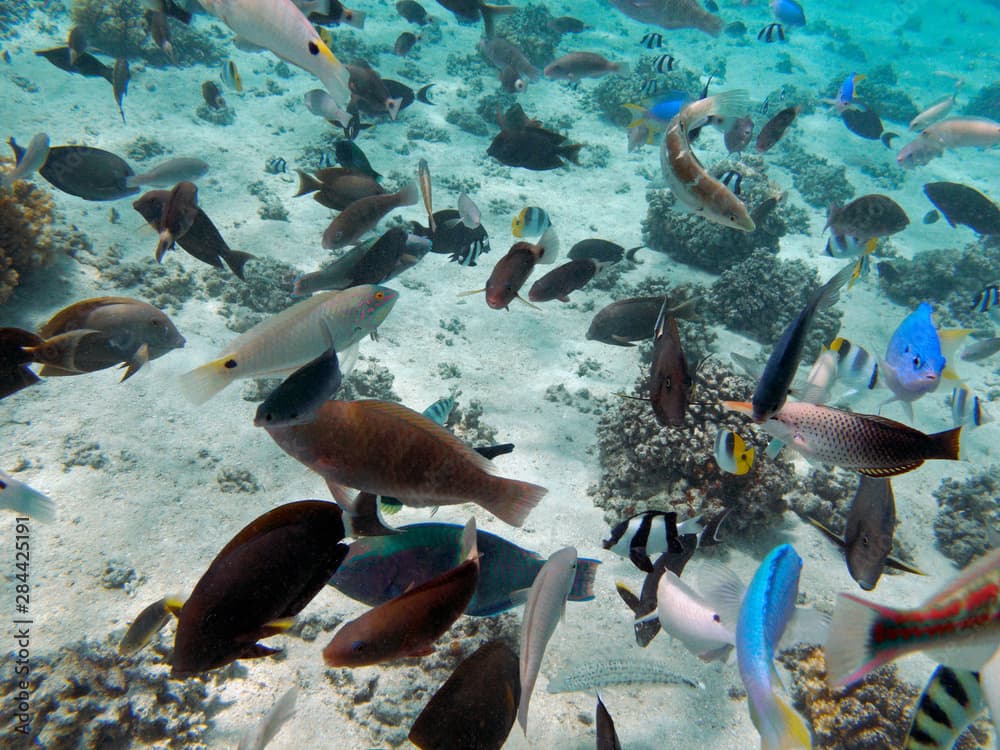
(896, 564)
(721, 589)
(829, 533)
(66, 319)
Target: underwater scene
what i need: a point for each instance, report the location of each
(463, 376)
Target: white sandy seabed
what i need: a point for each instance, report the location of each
(156, 504)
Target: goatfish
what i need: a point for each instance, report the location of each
(235, 603)
(952, 700)
(958, 627)
(382, 448)
(867, 539)
(767, 608)
(409, 624)
(295, 336)
(779, 372)
(278, 25)
(865, 443)
(24, 500)
(531, 221)
(545, 607)
(258, 737)
(732, 454)
(953, 132)
(687, 179)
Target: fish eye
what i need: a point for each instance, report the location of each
(668, 383)
(865, 540)
(916, 361)
(379, 296)
(313, 48)
(230, 364)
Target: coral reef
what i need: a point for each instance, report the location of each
(27, 214)
(873, 713)
(689, 238)
(968, 517)
(529, 30)
(986, 103)
(86, 696)
(818, 182)
(467, 422)
(645, 466)
(761, 295)
(611, 93)
(825, 494)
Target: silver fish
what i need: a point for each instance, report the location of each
(23, 500)
(30, 162)
(259, 736)
(169, 173)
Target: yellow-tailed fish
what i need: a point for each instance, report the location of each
(530, 222)
(293, 337)
(732, 453)
(231, 76)
(278, 25)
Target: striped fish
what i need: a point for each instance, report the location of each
(650, 533)
(530, 222)
(951, 701)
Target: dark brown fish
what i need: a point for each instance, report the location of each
(337, 187)
(600, 250)
(867, 217)
(369, 92)
(212, 95)
(160, 31)
(404, 43)
(14, 371)
(607, 737)
(476, 707)
(178, 215)
(523, 142)
(256, 584)
(409, 624)
(77, 44)
(471, 11)
(84, 63)
(739, 135)
(413, 12)
(560, 281)
(452, 237)
(566, 25)
(102, 332)
(669, 377)
(362, 215)
(510, 273)
(89, 173)
(633, 319)
(202, 240)
(961, 204)
(119, 83)
(863, 121)
(775, 128)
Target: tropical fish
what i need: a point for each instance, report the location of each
(680, 548)
(77, 44)
(413, 12)
(145, 626)
(367, 263)
(476, 706)
(281, 27)
(235, 603)
(85, 64)
(577, 65)
(865, 443)
(987, 299)
(14, 360)
(561, 281)
(331, 13)
(767, 607)
(732, 453)
(513, 269)
(362, 215)
(779, 372)
(864, 121)
(967, 409)
(953, 132)
(159, 30)
(258, 737)
(981, 349)
(696, 619)
(350, 155)
(276, 165)
(788, 12)
(567, 25)
(601, 251)
(504, 54)
(670, 380)
(176, 217)
(337, 187)
(379, 568)
(404, 43)
(855, 366)
(607, 737)
(424, 180)
(120, 76)
(384, 449)
(951, 701)
(24, 500)
(632, 319)
(664, 63)
(654, 532)
(300, 395)
(687, 179)
(531, 222)
(170, 172)
(867, 539)
(958, 627)
(961, 204)
(212, 95)
(651, 40)
(775, 128)
(937, 111)
(231, 76)
(738, 136)
(409, 624)
(463, 245)
(369, 92)
(86, 172)
(321, 104)
(671, 14)
(297, 335)
(932, 217)
(525, 143)
(29, 162)
(845, 95)
(867, 217)
(545, 606)
(772, 32)
(469, 212)
(471, 11)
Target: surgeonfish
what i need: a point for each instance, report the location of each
(258, 737)
(952, 132)
(86, 172)
(300, 395)
(278, 25)
(530, 222)
(379, 568)
(235, 603)
(29, 162)
(523, 142)
(24, 500)
(670, 380)
(789, 12)
(962, 204)
(607, 737)
(686, 177)
(297, 335)
(957, 626)
(603, 251)
(476, 706)
(409, 624)
(369, 93)
(967, 409)
(732, 453)
(951, 701)
(337, 187)
(15, 374)
(764, 614)
(545, 606)
(867, 444)
(383, 448)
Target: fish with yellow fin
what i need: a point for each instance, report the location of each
(732, 453)
(530, 222)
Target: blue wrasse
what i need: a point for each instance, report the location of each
(767, 607)
(380, 568)
(772, 388)
(845, 95)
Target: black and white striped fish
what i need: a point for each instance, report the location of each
(327, 159)
(277, 165)
(648, 534)
(771, 33)
(951, 701)
(652, 40)
(967, 409)
(733, 177)
(664, 63)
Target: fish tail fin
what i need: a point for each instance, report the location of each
(409, 195)
(490, 12)
(583, 582)
(571, 152)
(792, 730)
(392, 106)
(548, 246)
(199, 385)
(236, 259)
(24, 500)
(355, 18)
(851, 651)
(946, 445)
(307, 183)
(829, 293)
(15, 373)
(631, 600)
(734, 103)
(513, 500)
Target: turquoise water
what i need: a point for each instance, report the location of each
(149, 487)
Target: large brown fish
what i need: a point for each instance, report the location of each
(362, 215)
(671, 14)
(337, 187)
(513, 269)
(559, 282)
(961, 204)
(867, 217)
(386, 449)
(14, 371)
(669, 377)
(632, 319)
(177, 216)
(775, 128)
(865, 443)
(409, 624)
(476, 707)
(264, 577)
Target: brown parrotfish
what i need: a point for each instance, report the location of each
(560, 281)
(362, 215)
(337, 187)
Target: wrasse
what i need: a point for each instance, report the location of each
(865, 443)
(958, 627)
(687, 179)
(953, 132)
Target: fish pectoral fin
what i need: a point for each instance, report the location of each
(717, 654)
(630, 599)
(827, 532)
(257, 651)
(621, 340)
(276, 626)
(806, 625)
(174, 605)
(896, 564)
(135, 364)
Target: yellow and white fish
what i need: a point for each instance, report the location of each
(278, 25)
(732, 453)
(530, 222)
(231, 76)
(293, 337)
